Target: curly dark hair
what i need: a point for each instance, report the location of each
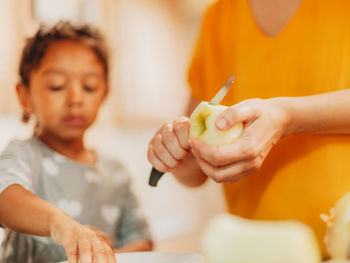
(36, 46)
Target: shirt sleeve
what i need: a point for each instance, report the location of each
(133, 225)
(15, 167)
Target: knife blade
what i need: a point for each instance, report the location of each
(155, 174)
(223, 91)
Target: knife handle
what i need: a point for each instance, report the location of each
(154, 177)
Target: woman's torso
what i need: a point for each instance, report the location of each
(303, 175)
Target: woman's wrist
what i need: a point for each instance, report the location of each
(188, 172)
(286, 114)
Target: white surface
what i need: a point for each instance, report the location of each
(157, 257)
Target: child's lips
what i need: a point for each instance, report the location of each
(74, 121)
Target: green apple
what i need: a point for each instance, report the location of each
(203, 125)
(337, 239)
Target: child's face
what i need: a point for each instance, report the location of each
(67, 89)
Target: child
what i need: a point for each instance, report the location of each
(51, 185)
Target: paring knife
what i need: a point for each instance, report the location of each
(155, 174)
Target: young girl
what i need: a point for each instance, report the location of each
(51, 185)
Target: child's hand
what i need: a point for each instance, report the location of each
(169, 146)
(80, 242)
(103, 236)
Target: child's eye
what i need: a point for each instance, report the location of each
(56, 88)
(89, 88)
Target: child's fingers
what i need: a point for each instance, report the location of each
(72, 259)
(100, 253)
(84, 248)
(72, 253)
(105, 239)
(110, 253)
(103, 236)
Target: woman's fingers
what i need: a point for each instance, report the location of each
(170, 145)
(242, 149)
(229, 173)
(162, 152)
(230, 163)
(171, 142)
(155, 161)
(182, 130)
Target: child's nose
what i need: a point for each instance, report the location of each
(75, 94)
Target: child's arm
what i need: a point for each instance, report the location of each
(22, 211)
(133, 232)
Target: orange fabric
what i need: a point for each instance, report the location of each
(304, 175)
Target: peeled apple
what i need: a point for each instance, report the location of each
(337, 239)
(231, 239)
(203, 125)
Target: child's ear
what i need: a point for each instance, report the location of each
(23, 94)
(106, 93)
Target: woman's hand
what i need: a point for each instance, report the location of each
(169, 146)
(82, 243)
(169, 151)
(264, 124)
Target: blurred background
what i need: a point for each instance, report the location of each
(151, 44)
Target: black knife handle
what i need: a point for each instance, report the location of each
(154, 177)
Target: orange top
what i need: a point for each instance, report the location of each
(304, 175)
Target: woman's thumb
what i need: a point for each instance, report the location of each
(242, 112)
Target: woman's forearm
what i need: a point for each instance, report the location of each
(24, 212)
(327, 113)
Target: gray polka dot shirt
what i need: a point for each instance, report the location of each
(96, 195)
